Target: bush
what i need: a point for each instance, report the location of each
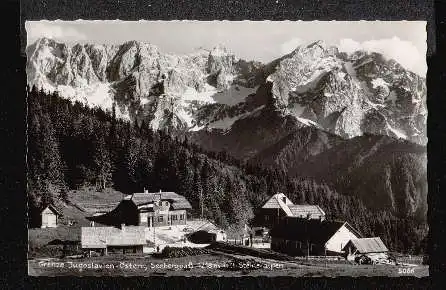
(176, 252)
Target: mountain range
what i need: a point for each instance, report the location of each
(356, 121)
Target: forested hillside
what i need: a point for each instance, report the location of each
(71, 146)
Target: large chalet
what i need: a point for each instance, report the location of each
(280, 206)
(150, 209)
(301, 237)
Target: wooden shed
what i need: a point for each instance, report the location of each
(50, 216)
(372, 247)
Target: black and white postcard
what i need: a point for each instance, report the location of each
(203, 148)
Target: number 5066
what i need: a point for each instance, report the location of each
(406, 270)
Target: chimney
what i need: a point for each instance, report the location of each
(123, 227)
(145, 190)
(284, 199)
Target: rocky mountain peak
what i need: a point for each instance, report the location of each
(345, 94)
(350, 94)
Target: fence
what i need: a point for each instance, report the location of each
(242, 242)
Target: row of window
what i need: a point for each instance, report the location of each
(162, 203)
(173, 217)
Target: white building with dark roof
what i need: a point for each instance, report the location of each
(50, 217)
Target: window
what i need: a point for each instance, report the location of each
(181, 216)
(174, 217)
(160, 219)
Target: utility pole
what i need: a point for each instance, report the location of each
(155, 209)
(308, 249)
(325, 250)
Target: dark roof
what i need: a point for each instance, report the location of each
(368, 245)
(177, 201)
(98, 207)
(125, 213)
(315, 231)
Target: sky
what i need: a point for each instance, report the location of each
(403, 41)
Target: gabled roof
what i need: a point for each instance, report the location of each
(303, 210)
(128, 236)
(290, 209)
(315, 231)
(53, 208)
(97, 207)
(273, 202)
(368, 245)
(96, 237)
(101, 237)
(178, 201)
(207, 226)
(353, 230)
(125, 212)
(276, 201)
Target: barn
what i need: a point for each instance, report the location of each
(300, 237)
(374, 248)
(50, 216)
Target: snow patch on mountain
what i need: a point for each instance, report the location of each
(223, 124)
(379, 82)
(397, 133)
(308, 122)
(190, 95)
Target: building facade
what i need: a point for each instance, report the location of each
(301, 237)
(50, 217)
(147, 209)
